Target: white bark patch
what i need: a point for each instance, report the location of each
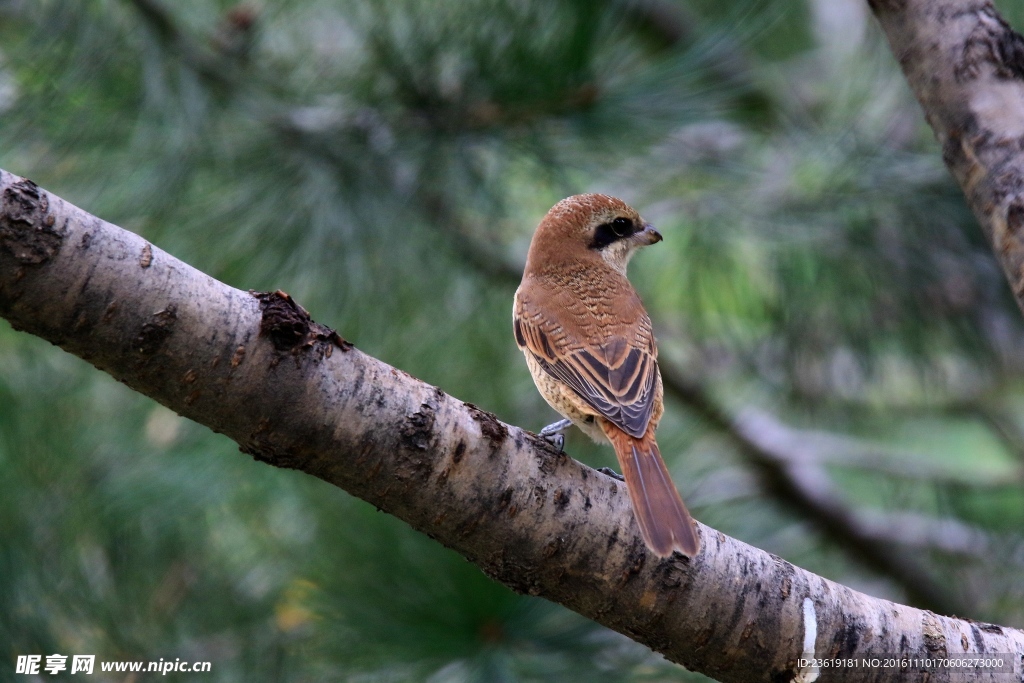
(997, 104)
(808, 673)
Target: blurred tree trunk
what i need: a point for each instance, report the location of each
(294, 394)
(966, 67)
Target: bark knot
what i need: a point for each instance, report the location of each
(263, 446)
(289, 327)
(934, 636)
(26, 228)
(490, 426)
(156, 330)
(419, 428)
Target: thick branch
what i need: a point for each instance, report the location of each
(293, 394)
(966, 67)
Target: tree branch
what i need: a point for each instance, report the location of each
(966, 67)
(927, 533)
(293, 394)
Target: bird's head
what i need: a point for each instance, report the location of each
(586, 226)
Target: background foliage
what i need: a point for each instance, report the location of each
(385, 163)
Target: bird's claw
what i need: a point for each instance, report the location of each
(553, 433)
(611, 473)
(556, 440)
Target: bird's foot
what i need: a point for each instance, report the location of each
(553, 433)
(555, 428)
(611, 473)
(556, 440)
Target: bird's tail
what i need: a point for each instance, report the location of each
(664, 521)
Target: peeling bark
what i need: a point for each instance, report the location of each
(966, 67)
(294, 394)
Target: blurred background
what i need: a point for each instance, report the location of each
(843, 359)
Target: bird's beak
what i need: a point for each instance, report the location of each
(652, 235)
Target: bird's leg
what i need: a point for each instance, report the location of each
(553, 433)
(555, 428)
(611, 473)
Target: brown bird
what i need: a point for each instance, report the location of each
(590, 348)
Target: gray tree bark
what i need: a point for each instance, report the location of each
(294, 394)
(966, 67)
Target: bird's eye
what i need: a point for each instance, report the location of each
(613, 231)
(622, 226)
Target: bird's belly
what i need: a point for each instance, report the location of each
(565, 401)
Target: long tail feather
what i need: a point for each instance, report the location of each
(665, 523)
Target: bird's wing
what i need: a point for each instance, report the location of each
(615, 377)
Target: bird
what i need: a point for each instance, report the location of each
(590, 348)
